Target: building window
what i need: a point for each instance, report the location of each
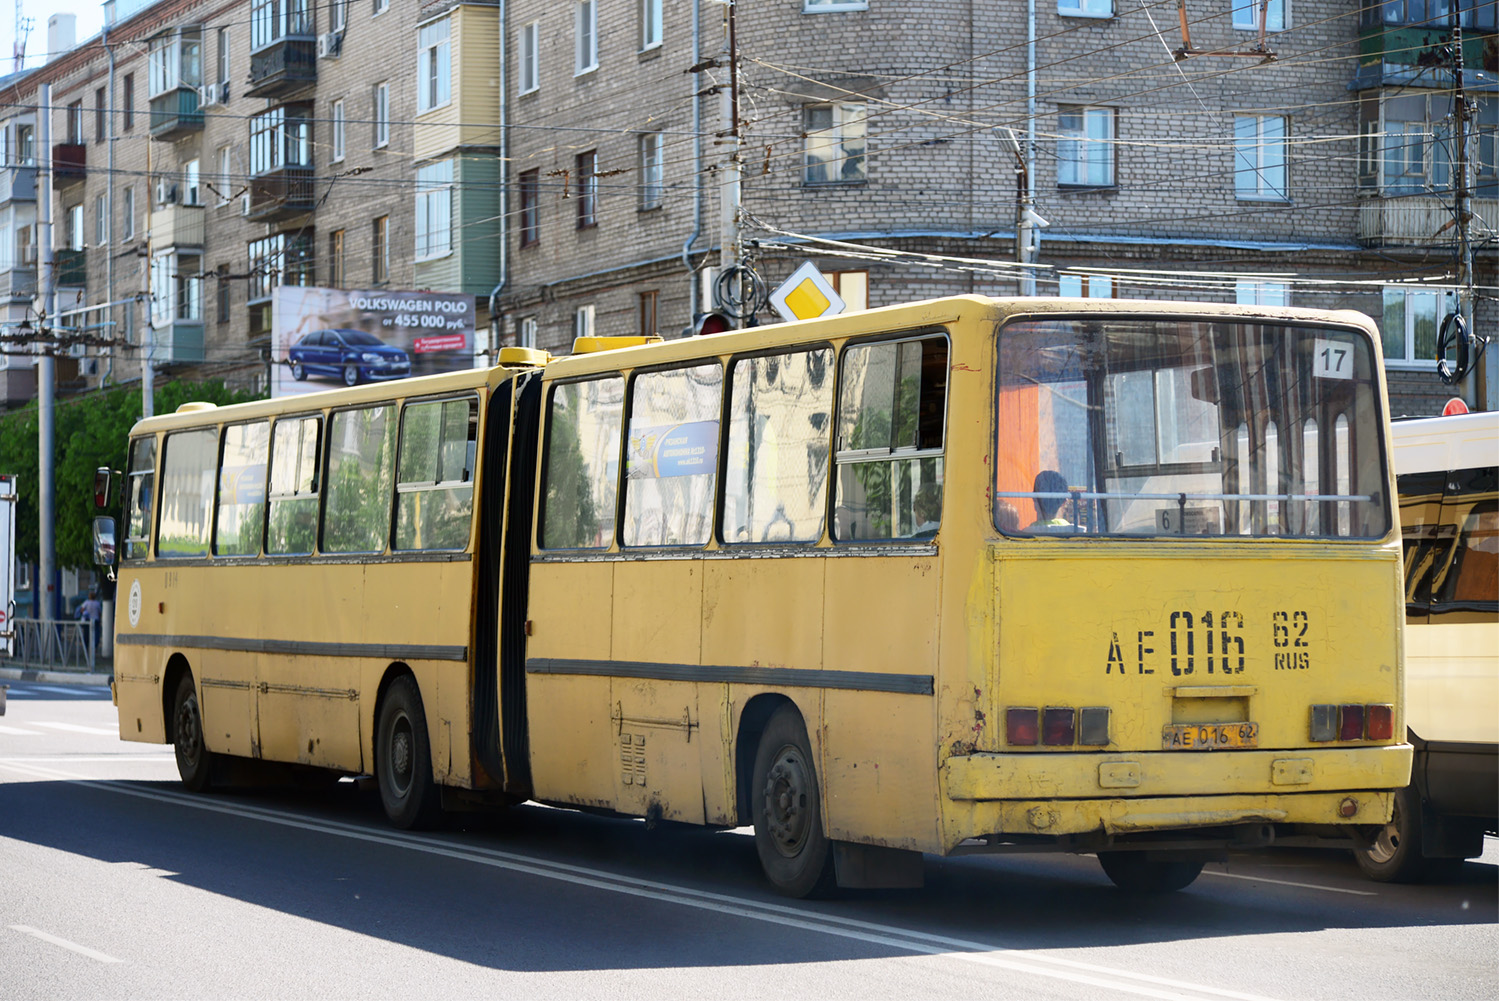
(852, 287)
(223, 72)
(100, 108)
(127, 213)
(127, 102)
(382, 115)
(175, 60)
(176, 288)
(1260, 157)
(525, 333)
(192, 193)
(75, 236)
(434, 68)
(225, 179)
(1085, 8)
(1085, 147)
(1407, 146)
(221, 293)
(1076, 286)
(1251, 292)
(283, 259)
(834, 149)
(273, 20)
(336, 258)
(380, 251)
(281, 137)
(338, 15)
(75, 123)
(583, 321)
(1247, 15)
(529, 53)
(650, 24)
(586, 48)
(434, 210)
(1411, 322)
(588, 189)
(648, 312)
(651, 183)
(338, 130)
(381, 6)
(530, 207)
(101, 220)
(824, 6)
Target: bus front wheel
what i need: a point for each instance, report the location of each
(403, 758)
(793, 850)
(1143, 872)
(194, 760)
(1393, 854)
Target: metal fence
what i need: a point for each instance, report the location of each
(63, 644)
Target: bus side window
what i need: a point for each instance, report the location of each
(1421, 536)
(241, 510)
(435, 479)
(142, 478)
(361, 467)
(891, 406)
(293, 493)
(1469, 581)
(189, 461)
(671, 456)
(580, 482)
(776, 477)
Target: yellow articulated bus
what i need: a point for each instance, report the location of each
(955, 576)
(1447, 474)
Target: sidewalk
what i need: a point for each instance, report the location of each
(11, 671)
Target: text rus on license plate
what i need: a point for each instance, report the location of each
(1209, 736)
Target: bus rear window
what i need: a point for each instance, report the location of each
(1181, 427)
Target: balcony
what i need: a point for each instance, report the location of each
(281, 194)
(71, 268)
(178, 341)
(283, 67)
(176, 113)
(18, 283)
(1418, 221)
(69, 164)
(179, 226)
(18, 184)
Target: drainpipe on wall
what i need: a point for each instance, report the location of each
(694, 294)
(495, 326)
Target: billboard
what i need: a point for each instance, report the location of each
(322, 338)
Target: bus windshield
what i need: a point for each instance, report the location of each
(1163, 427)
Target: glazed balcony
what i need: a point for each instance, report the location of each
(283, 67)
(179, 226)
(18, 184)
(18, 283)
(176, 114)
(280, 194)
(1418, 221)
(69, 164)
(71, 268)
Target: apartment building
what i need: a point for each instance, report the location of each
(1309, 164)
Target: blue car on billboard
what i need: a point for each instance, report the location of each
(351, 355)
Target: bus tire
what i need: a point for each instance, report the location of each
(1393, 854)
(1143, 872)
(787, 809)
(403, 758)
(194, 760)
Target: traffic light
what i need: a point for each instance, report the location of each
(713, 322)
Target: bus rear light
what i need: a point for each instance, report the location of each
(1022, 726)
(1058, 726)
(1381, 720)
(1093, 726)
(1351, 723)
(1324, 723)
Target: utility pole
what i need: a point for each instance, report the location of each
(1473, 388)
(148, 329)
(46, 366)
(729, 199)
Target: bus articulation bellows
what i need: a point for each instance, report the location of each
(961, 575)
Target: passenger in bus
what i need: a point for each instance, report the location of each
(927, 511)
(1006, 517)
(1048, 518)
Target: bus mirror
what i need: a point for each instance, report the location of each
(1205, 385)
(104, 543)
(103, 481)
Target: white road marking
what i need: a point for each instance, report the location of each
(59, 689)
(76, 728)
(924, 943)
(82, 950)
(15, 731)
(1287, 882)
(69, 759)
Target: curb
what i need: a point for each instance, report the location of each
(53, 677)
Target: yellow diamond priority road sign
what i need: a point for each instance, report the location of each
(806, 295)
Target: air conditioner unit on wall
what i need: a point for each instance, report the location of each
(213, 93)
(166, 193)
(330, 45)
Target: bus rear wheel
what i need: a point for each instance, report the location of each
(1143, 872)
(194, 760)
(787, 807)
(403, 758)
(1394, 854)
